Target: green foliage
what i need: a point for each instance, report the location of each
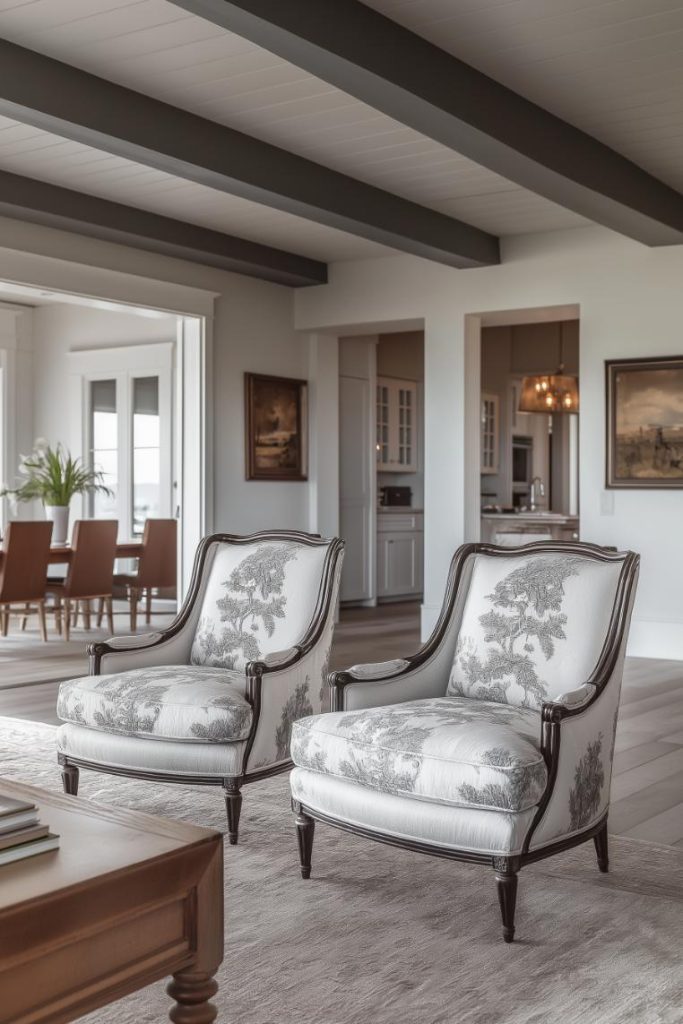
(53, 476)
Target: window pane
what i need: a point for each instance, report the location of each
(146, 452)
(104, 445)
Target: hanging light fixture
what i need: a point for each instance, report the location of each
(550, 392)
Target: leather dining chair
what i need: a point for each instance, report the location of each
(90, 574)
(157, 567)
(23, 576)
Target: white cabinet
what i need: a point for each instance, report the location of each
(356, 472)
(400, 543)
(396, 425)
(490, 433)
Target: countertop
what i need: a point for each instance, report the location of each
(536, 517)
(405, 509)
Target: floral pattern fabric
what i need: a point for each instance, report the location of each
(171, 702)
(259, 599)
(449, 750)
(533, 627)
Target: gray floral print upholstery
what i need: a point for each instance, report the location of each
(259, 599)
(532, 627)
(453, 751)
(172, 702)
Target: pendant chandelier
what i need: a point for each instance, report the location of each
(550, 392)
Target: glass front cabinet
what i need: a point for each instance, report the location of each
(490, 429)
(396, 425)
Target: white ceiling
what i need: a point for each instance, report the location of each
(614, 67)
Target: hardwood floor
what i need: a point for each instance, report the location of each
(647, 788)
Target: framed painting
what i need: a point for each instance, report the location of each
(645, 422)
(276, 428)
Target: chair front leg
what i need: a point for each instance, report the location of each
(506, 869)
(233, 806)
(305, 831)
(600, 841)
(69, 778)
(42, 621)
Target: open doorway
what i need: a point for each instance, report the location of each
(381, 438)
(122, 388)
(527, 429)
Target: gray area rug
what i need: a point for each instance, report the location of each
(380, 936)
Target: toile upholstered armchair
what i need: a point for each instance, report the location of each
(494, 743)
(212, 699)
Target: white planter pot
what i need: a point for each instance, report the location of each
(59, 515)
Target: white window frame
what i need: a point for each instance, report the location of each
(124, 364)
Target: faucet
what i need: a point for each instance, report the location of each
(533, 505)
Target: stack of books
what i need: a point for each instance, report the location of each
(21, 833)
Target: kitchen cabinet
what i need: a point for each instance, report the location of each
(396, 425)
(400, 546)
(490, 433)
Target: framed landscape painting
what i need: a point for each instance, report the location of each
(645, 422)
(276, 429)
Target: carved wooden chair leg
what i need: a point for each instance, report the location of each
(600, 841)
(506, 869)
(305, 830)
(233, 806)
(70, 778)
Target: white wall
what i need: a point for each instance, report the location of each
(631, 304)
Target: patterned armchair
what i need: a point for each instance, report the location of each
(212, 699)
(494, 743)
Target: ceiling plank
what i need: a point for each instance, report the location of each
(393, 70)
(55, 206)
(66, 101)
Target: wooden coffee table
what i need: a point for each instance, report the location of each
(127, 899)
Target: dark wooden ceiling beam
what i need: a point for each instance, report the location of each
(66, 101)
(54, 206)
(378, 61)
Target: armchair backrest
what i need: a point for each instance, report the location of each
(535, 622)
(262, 595)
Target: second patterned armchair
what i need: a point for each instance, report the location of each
(494, 743)
(212, 699)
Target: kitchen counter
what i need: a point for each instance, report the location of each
(404, 509)
(505, 527)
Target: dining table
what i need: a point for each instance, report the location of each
(61, 554)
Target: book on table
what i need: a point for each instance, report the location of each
(21, 833)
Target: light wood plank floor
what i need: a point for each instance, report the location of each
(647, 789)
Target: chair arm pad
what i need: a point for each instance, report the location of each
(126, 643)
(379, 670)
(277, 658)
(573, 699)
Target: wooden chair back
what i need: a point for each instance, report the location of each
(157, 565)
(24, 565)
(91, 569)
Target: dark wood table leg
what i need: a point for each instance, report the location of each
(192, 991)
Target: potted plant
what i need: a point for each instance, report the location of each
(53, 476)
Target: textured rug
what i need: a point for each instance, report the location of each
(380, 936)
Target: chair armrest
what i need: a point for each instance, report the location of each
(378, 670)
(125, 643)
(573, 700)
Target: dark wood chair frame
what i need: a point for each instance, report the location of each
(552, 717)
(254, 672)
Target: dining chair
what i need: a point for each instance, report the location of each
(157, 567)
(90, 574)
(23, 577)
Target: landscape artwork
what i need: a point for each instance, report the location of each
(275, 428)
(645, 423)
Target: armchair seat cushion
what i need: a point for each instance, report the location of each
(163, 702)
(449, 750)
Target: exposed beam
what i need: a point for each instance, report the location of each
(58, 98)
(371, 57)
(54, 206)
